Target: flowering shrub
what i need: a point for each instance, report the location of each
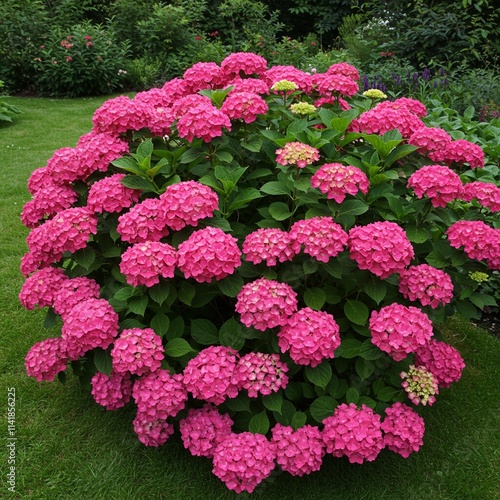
(267, 278)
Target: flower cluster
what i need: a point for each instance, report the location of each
(381, 247)
(420, 384)
(429, 139)
(399, 330)
(239, 64)
(73, 291)
(430, 286)
(403, 429)
(335, 84)
(265, 303)
(486, 193)
(144, 263)
(321, 237)
(208, 253)
(110, 195)
(297, 153)
(203, 429)
(137, 351)
(260, 373)
(46, 359)
(290, 74)
(203, 75)
(244, 106)
(309, 336)
(298, 452)
(302, 108)
(353, 432)
(442, 360)
(120, 114)
(460, 152)
(111, 391)
(152, 432)
(211, 375)
(271, 245)
(203, 121)
(440, 184)
(159, 395)
(89, 324)
(41, 287)
(337, 180)
(242, 461)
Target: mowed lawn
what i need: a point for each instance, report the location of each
(69, 447)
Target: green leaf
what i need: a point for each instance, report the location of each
(177, 347)
(145, 149)
(84, 257)
(103, 361)
(254, 144)
(160, 292)
(322, 408)
(435, 259)
(160, 324)
(376, 290)
(128, 164)
(191, 155)
(259, 423)
(231, 334)
(231, 285)
(349, 348)
(315, 298)
(398, 153)
(279, 211)
(352, 207)
(319, 375)
(244, 198)
(352, 395)
(386, 393)
(138, 305)
(204, 332)
(50, 318)
(136, 182)
(416, 234)
(176, 329)
(364, 368)
(186, 293)
(298, 420)
(356, 311)
(275, 188)
(273, 401)
(239, 403)
(369, 351)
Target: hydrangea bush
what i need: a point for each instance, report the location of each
(260, 260)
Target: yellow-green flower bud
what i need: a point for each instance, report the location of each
(303, 108)
(374, 94)
(284, 86)
(478, 276)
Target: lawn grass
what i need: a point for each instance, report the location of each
(69, 447)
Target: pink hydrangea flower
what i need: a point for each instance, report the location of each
(110, 195)
(138, 351)
(430, 286)
(381, 247)
(353, 432)
(265, 303)
(152, 432)
(185, 203)
(97, 150)
(344, 69)
(242, 461)
(244, 106)
(63, 166)
(253, 85)
(90, 324)
(290, 73)
(211, 375)
(309, 337)
(145, 221)
(203, 429)
(337, 180)
(321, 237)
(41, 287)
(384, 117)
(261, 373)
(298, 154)
(38, 179)
(159, 394)
(399, 330)
(322, 101)
(460, 151)
(298, 452)
(479, 241)
(203, 75)
(442, 360)
(73, 291)
(46, 359)
(175, 89)
(68, 231)
(160, 121)
(440, 184)
(144, 263)
(271, 245)
(47, 202)
(403, 429)
(486, 193)
(208, 253)
(428, 139)
(120, 114)
(203, 121)
(184, 104)
(112, 391)
(413, 105)
(334, 83)
(420, 384)
(154, 97)
(239, 64)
